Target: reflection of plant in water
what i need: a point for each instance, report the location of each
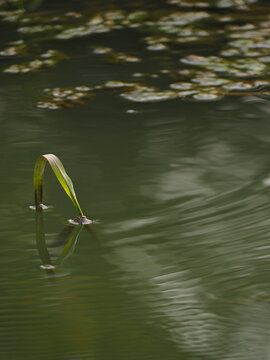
(69, 236)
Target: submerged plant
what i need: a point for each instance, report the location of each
(63, 179)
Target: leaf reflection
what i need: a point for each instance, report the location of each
(70, 245)
(68, 236)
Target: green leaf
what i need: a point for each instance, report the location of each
(62, 177)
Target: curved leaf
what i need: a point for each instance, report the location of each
(62, 177)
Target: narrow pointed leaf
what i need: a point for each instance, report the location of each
(61, 175)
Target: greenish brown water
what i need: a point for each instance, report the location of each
(178, 189)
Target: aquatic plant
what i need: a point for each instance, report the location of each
(63, 179)
(115, 57)
(198, 51)
(58, 98)
(46, 60)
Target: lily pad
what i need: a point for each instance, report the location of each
(46, 60)
(145, 96)
(58, 98)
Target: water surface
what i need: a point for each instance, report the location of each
(179, 194)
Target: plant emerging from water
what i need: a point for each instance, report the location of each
(64, 180)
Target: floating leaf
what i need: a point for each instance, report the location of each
(157, 47)
(114, 56)
(101, 50)
(238, 86)
(139, 95)
(118, 84)
(13, 50)
(58, 98)
(181, 86)
(207, 96)
(38, 29)
(46, 60)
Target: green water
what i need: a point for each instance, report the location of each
(179, 194)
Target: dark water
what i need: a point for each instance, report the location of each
(179, 191)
